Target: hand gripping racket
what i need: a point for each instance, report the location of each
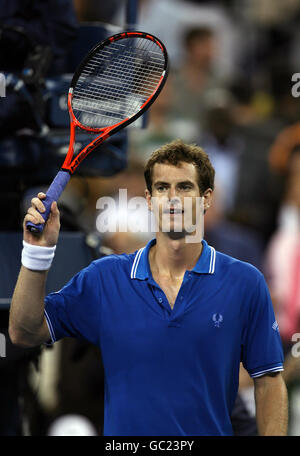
(115, 84)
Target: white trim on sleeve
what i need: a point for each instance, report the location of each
(273, 369)
(50, 327)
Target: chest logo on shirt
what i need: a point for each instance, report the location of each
(217, 319)
(275, 326)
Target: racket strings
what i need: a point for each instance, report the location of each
(119, 92)
(117, 81)
(93, 91)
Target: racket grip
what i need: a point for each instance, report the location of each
(54, 191)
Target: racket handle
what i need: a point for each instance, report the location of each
(54, 191)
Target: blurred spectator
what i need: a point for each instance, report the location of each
(282, 266)
(93, 10)
(195, 75)
(267, 12)
(171, 19)
(158, 128)
(271, 28)
(283, 255)
(229, 237)
(259, 187)
(282, 148)
(223, 144)
(243, 109)
(161, 128)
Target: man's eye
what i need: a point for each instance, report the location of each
(161, 188)
(185, 187)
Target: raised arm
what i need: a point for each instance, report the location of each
(27, 324)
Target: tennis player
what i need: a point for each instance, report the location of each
(173, 320)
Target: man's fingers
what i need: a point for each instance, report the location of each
(34, 213)
(41, 195)
(33, 219)
(54, 208)
(37, 204)
(37, 209)
(54, 214)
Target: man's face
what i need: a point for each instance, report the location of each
(176, 198)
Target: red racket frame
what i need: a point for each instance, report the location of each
(71, 165)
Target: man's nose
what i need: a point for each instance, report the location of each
(172, 193)
(174, 198)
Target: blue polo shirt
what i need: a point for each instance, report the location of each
(171, 372)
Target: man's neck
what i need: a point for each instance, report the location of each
(171, 258)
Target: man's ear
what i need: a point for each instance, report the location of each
(148, 199)
(208, 198)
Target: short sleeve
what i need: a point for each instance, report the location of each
(74, 311)
(262, 347)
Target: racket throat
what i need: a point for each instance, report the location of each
(86, 151)
(70, 153)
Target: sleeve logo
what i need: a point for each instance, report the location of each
(275, 326)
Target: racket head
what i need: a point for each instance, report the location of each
(117, 81)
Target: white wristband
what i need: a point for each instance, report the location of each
(37, 258)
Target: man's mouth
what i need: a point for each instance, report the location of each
(174, 210)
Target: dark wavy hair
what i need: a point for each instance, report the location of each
(177, 152)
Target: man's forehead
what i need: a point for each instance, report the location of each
(182, 170)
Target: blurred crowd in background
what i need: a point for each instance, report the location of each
(230, 91)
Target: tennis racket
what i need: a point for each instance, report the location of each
(115, 84)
